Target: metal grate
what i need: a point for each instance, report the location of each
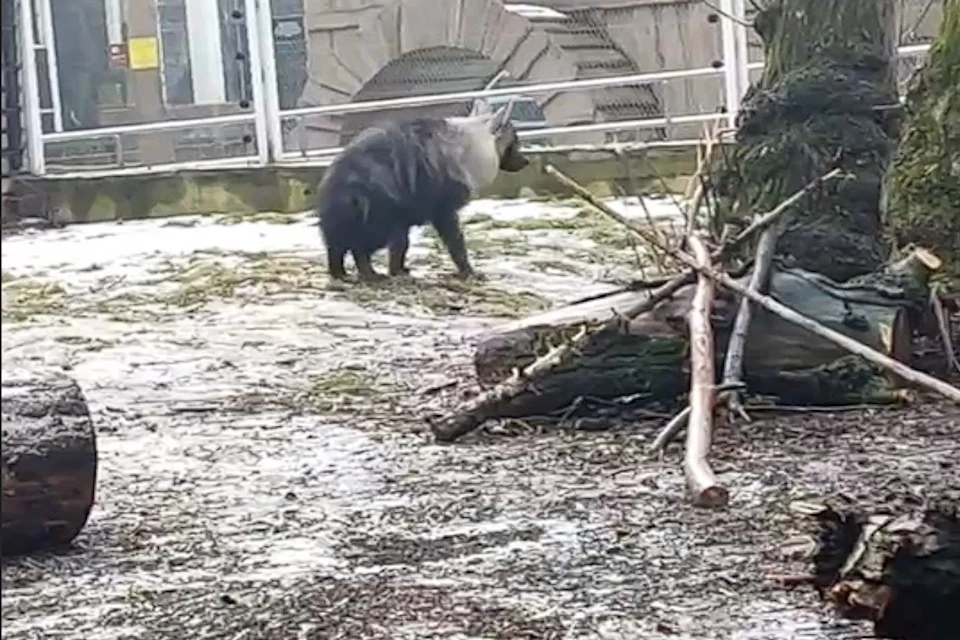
(12, 147)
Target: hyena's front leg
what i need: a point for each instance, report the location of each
(399, 244)
(448, 228)
(365, 269)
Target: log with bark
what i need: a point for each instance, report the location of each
(49, 461)
(896, 566)
(648, 356)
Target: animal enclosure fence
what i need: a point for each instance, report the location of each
(113, 87)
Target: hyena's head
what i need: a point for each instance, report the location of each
(486, 144)
(504, 134)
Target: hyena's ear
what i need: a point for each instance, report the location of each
(480, 108)
(501, 117)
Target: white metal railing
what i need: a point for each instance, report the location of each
(147, 127)
(33, 121)
(524, 89)
(546, 132)
(267, 117)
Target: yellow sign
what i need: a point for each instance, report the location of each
(144, 53)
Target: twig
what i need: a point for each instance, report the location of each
(679, 421)
(703, 484)
(789, 581)
(767, 219)
(943, 324)
(699, 190)
(840, 408)
(733, 363)
(906, 373)
(759, 224)
(657, 258)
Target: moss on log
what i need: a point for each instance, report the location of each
(923, 188)
(818, 105)
(49, 461)
(649, 356)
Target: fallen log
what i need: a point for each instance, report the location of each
(897, 567)
(648, 355)
(49, 461)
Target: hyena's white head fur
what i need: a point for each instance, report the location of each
(488, 144)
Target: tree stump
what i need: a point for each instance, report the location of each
(49, 461)
(897, 566)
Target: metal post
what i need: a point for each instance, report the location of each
(256, 81)
(743, 57)
(31, 91)
(44, 12)
(731, 70)
(263, 29)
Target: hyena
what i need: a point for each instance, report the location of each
(399, 175)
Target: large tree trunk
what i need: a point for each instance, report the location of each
(923, 190)
(824, 100)
(49, 461)
(649, 355)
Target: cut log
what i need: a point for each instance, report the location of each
(49, 461)
(649, 355)
(896, 567)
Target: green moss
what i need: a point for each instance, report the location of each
(827, 65)
(924, 183)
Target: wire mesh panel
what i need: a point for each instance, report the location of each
(122, 70)
(337, 59)
(11, 144)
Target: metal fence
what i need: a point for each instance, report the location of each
(116, 87)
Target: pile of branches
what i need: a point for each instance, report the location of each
(704, 259)
(813, 143)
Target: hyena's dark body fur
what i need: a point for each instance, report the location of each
(399, 175)
(389, 180)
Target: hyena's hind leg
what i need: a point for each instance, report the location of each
(335, 258)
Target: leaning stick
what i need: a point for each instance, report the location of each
(733, 363)
(699, 190)
(700, 477)
(906, 373)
